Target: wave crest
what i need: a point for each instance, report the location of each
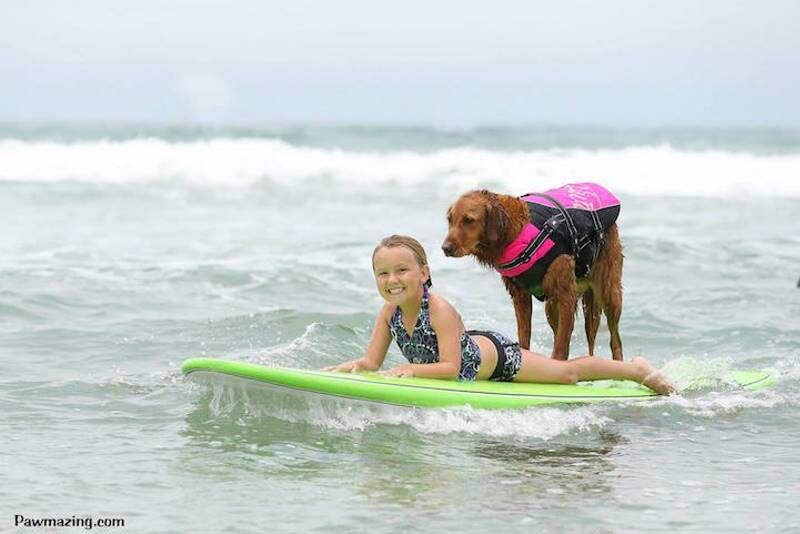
(245, 162)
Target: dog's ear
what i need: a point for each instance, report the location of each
(496, 223)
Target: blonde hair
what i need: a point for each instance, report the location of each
(411, 244)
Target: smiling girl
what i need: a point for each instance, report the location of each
(432, 337)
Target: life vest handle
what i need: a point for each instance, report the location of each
(571, 228)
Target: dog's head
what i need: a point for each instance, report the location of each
(477, 222)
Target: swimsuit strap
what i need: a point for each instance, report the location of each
(397, 316)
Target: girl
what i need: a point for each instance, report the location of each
(431, 335)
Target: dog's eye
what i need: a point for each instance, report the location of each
(468, 221)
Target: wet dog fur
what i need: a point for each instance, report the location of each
(482, 223)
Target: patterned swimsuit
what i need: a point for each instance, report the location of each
(423, 347)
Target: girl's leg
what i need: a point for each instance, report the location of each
(536, 368)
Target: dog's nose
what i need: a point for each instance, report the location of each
(448, 248)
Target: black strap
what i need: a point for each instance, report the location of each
(577, 242)
(501, 354)
(531, 248)
(571, 228)
(598, 226)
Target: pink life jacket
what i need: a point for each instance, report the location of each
(571, 219)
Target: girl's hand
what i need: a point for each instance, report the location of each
(402, 371)
(346, 367)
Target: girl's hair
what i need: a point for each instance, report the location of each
(411, 244)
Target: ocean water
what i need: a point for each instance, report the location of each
(127, 249)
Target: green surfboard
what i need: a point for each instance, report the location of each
(432, 393)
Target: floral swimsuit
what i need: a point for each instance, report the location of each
(423, 347)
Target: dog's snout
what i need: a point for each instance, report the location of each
(448, 248)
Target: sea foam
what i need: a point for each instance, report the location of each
(247, 162)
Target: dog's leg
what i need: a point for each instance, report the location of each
(560, 285)
(523, 309)
(610, 274)
(591, 315)
(613, 309)
(551, 311)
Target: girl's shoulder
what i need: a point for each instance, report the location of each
(387, 311)
(441, 307)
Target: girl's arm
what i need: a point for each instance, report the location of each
(376, 349)
(448, 327)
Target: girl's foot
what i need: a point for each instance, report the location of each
(652, 377)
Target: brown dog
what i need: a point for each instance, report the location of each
(555, 246)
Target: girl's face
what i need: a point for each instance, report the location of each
(398, 276)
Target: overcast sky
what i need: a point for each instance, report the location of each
(439, 63)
